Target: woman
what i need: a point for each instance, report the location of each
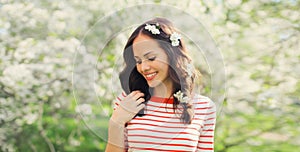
(159, 110)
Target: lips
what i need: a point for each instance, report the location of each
(150, 76)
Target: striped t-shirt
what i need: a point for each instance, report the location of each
(160, 129)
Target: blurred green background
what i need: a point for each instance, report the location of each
(55, 97)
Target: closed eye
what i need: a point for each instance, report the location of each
(152, 58)
(138, 61)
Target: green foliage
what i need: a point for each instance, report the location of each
(47, 103)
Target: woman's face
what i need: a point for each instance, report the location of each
(151, 62)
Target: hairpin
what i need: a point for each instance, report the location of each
(179, 96)
(175, 37)
(154, 29)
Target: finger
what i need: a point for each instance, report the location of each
(138, 95)
(140, 100)
(133, 93)
(140, 107)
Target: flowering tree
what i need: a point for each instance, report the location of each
(52, 75)
(260, 43)
(38, 43)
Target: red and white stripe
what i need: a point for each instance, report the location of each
(161, 129)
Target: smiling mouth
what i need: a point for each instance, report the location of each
(150, 76)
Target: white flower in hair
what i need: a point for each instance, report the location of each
(175, 37)
(152, 28)
(179, 96)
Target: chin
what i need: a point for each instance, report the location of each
(153, 84)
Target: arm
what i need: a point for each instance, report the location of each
(115, 137)
(206, 139)
(126, 110)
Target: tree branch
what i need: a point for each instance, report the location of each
(41, 129)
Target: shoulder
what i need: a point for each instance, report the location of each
(118, 99)
(121, 96)
(202, 102)
(197, 99)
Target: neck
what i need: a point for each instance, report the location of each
(163, 91)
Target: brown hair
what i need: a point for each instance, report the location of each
(132, 80)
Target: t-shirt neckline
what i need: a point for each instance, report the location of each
(162, 99)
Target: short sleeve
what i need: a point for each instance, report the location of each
(206, 138)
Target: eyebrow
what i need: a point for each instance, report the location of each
(145, 54)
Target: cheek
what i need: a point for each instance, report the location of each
(164, 66)
(138, 67)
(166, 69)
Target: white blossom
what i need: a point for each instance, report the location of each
(175, 37)
(31, 118)
(181, 98)
(84, 109)
(152, 28)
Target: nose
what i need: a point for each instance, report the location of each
(145, 66)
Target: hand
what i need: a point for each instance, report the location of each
(128, 108)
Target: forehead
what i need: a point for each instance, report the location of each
(143, 44)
